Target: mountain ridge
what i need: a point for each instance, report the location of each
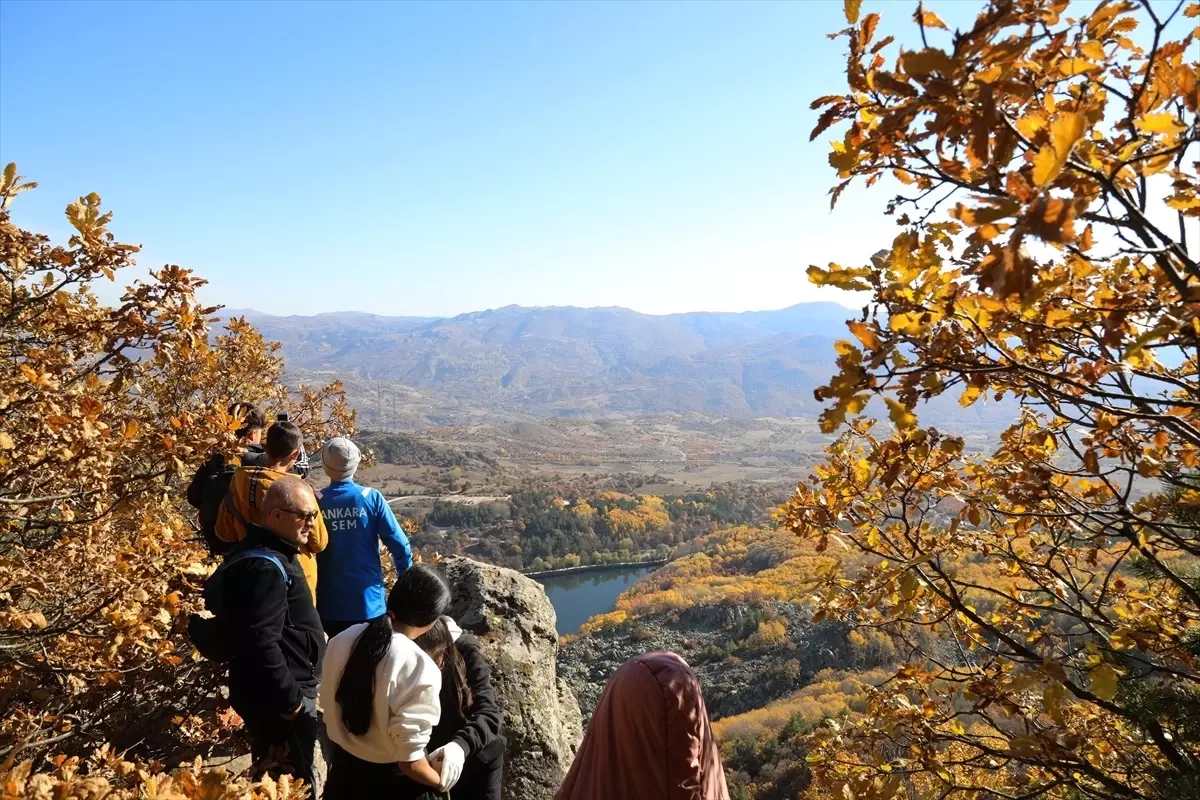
(574, 361)
(255, 313)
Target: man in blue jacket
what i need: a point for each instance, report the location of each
(350, 577)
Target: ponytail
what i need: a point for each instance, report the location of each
(418, 598)
(356, 689)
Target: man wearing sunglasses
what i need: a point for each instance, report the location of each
(274, 633)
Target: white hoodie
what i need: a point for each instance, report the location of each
(407, 685)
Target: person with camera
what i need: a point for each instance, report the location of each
(210, 484)
(243, 504)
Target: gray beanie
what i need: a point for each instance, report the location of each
(340, 458)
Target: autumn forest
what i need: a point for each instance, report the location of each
(916, 609)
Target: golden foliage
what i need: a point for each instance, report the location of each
(734, 566)
(770, 632)
(1062, 280)
(831, 693)
(582, 509)
(648, 515)
(106, 412)
(68, 782)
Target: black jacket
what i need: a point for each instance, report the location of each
(210, 484)
(275, 636)
(254, 456)
(479, 733)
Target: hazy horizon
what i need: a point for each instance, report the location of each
(238, 311)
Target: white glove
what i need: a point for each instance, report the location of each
(452, 757)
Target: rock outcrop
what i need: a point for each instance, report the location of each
(514, 619)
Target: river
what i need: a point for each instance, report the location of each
(578, 596)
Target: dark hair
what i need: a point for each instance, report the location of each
(419, 598)
(438, 642)
(253, 418)
(283, 439)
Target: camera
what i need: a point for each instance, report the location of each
(283, 416)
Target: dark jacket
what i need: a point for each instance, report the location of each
(254, 455)
(210, 484)
(275, 635)
(478, 733)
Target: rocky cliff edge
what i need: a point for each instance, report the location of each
(515, 621)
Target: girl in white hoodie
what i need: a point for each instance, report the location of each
(379, 691)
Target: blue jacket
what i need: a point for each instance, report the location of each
(350, 576)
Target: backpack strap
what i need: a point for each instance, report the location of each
(261, 552)
(254, 487)
(231, 505)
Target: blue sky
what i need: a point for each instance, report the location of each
(431, 159)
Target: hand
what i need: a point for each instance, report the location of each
(452, 757)
(294, 714)
(421, 771)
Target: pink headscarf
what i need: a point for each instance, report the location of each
(649, 738)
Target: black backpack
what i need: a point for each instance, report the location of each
(208, 489)
(208, 634)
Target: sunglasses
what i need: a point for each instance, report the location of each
(307, 516)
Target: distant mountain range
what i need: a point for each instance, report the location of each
(576, 361)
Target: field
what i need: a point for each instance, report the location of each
(676, 452)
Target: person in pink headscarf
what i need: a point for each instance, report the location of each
(649, 738)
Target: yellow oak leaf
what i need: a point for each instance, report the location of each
(969, 396)
(1104, 681)
(1163, 122)
(901, 417)
(1031, 123)
(864, 334)
(1065, 131)
(930, 19)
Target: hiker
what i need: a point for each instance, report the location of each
(210, 484)
(273, 634)
(379, 692)
(243, 504)
(649, 738)
(357, 519)
(466, 745)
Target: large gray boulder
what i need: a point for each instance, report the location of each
(515, 621)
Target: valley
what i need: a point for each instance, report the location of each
(933, 537)
(731, 599)
(550, 440)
